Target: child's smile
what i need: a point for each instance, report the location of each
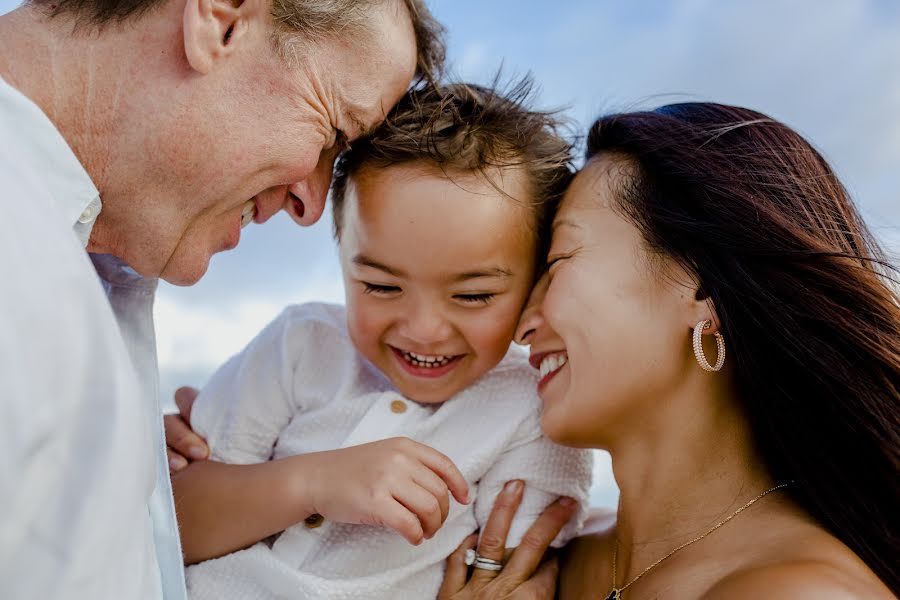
(424, 365)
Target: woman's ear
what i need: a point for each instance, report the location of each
(214, 28)
(703, 309)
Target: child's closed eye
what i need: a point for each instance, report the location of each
(377, 289)
(483, 298)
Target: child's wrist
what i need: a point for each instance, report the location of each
(300, 485)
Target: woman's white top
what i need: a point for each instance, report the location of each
(300, 387)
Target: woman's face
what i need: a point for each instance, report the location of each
(610, 322)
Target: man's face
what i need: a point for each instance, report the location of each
(260, 135)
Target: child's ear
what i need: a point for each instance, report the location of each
(213, 29)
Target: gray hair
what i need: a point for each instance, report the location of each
(313, 20)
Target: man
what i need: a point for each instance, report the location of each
(148, 132)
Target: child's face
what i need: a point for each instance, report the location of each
(436, 274)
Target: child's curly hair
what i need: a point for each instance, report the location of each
(468, 129)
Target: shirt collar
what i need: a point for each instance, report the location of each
(40, 143)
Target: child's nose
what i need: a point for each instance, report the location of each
(426, 325)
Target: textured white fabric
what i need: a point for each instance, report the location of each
(77, 464)
(301, 387)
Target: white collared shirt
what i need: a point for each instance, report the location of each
(85, 507)
(302, 387)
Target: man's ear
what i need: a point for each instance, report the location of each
(213, 28)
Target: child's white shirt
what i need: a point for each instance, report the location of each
(300, 386)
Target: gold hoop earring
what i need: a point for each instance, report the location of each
(698, 347)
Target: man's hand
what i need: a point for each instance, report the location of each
(182, 444)
(395, 483)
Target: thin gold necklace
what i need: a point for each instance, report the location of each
(616, 593)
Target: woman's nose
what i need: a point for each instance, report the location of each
(532, 317)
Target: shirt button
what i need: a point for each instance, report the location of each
(89, 213)
(398, 406)
(314, 520)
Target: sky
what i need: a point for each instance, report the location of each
(829, 69)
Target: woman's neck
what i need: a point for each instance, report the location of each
(686, 467)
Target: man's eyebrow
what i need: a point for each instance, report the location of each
(499, 272)
(365, 261)
(362, 129)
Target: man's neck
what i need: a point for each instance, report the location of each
(67, 74)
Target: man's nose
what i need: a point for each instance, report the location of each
(532, 318)
(306, 199)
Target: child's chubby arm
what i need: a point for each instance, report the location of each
(240, 496)
(395, 483)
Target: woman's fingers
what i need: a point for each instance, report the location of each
(457, 570)
(493, 537)
(534, 544)
(542, 586)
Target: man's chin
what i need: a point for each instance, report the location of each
(185, 273)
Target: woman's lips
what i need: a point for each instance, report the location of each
(549, 364)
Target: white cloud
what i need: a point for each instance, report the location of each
(472, 60)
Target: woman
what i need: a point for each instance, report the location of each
(774, 473)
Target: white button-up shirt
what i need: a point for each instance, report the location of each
(302, 387)
(84, 490)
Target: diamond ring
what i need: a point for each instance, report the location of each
(480, 562)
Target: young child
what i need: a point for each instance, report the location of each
(441, 217)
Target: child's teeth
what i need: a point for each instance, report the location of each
(421, 360)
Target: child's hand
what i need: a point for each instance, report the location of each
(395, 483)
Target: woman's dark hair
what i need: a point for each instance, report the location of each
(806, 300)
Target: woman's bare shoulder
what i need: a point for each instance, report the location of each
(800, 579)
(806, 562)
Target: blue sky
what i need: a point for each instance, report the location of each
(829, 69)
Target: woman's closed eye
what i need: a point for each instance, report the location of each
(554, 259)
(378, 289)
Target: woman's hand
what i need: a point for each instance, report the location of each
(523, 577)
(182, 444)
